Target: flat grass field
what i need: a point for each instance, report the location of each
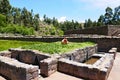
(51, 48)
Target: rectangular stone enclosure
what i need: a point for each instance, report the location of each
(21, 64)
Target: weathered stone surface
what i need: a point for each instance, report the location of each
(98, 71)
(48, 66)
(80, 55)
(16, 70)
(28, 56)
(5, 53)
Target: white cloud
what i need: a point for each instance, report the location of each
(62, 19)
(101, 3)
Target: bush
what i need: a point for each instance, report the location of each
(2, 20)
(16, 29)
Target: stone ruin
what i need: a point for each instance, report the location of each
(21, 64)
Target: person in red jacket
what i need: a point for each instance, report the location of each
(64, 41)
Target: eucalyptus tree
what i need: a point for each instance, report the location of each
(108, 16)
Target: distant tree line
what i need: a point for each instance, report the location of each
(111, 17)
(66, 25)
(21, 21)
(22, 17)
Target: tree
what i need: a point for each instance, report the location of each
(5, 7)
(36, 22)
(108, 16)
(100, 21)
(2, 20)
(116, 16)
(88, 23)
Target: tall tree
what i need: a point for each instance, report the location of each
(108, 16)
(36, 22)
(100, 21)
(116, 16)
(5, 7)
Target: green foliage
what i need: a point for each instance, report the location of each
(2, 20)
(110, 17)
(15, 29)
(57, 47)
(6, 44)
(4, 7)
(50, 30)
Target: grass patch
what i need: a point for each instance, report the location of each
(6, 44)
(57, 47)
(51, 48)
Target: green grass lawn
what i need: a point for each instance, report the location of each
(6, 44)
(51, 48)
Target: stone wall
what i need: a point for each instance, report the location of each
(110, 30)
(28, 56)
(86, 71)
(48, 66)
(80, 55)
(15, 70)
(96, 30)
(105, 43)
(114, 30)
(5, 54)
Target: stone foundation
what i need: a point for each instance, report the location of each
(91, 72)
(15, 70)
(5, 54)
(69, 63)
(48, 66)
(80, 55)
(28, 56)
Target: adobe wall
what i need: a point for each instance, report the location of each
(15, 70)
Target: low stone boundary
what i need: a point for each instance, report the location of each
(15, 70)
(80, 55)
(48, 66)
(5, 54)
(87, 71)
(28, 56)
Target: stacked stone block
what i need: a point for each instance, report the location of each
(80, 55)
(5, 53)
(15, 70)
(86, 71)
(28, 56)
(48, 66)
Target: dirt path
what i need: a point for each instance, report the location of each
(115, 72)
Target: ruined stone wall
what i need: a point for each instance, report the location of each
(5, 54)
(28, 56)
(80, 55)
(48, 66)
(86, 71)
(15, 70)
(114, 30)
(110, 30)
(96, 30)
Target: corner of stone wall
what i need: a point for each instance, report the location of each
(5, 54)
(48, 66)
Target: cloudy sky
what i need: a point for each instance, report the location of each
(78, 10)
